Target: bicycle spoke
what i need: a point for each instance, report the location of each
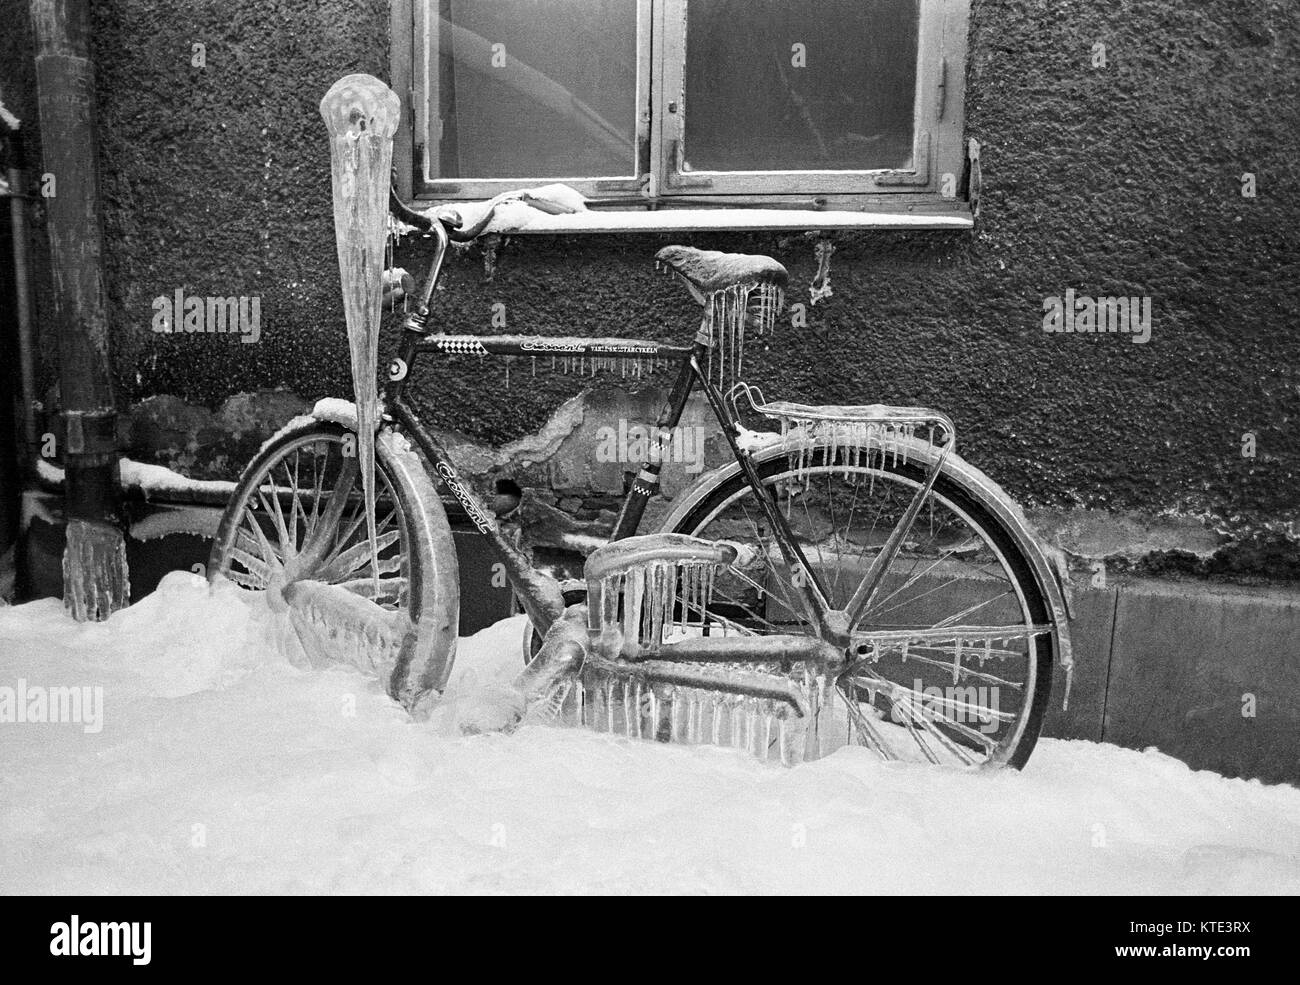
(297, 508)
(867, 732)
(880, 564)
(342, 540)
(287, 543)
(913, 577)
(978, 674)
(954, 580)
(777, 581)
(329, 521)
(936, 701)
(258, 571)
(910, 723)
(355, 557)
(268, 555)
(950, 620)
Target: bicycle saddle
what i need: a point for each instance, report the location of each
(708, 270)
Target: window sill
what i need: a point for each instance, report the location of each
(517, 218)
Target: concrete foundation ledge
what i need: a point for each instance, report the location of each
(1206, 672)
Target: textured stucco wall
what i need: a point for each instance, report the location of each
(1122, 180)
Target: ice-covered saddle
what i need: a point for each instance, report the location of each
(710, 270)
(737, 290)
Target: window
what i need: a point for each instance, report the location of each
(817, 104)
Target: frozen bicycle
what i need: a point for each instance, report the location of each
(845, 579)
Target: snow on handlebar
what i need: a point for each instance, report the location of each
(551, 199)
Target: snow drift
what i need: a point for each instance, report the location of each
(221, 768)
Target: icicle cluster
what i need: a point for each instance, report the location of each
(632, 706)
(96, 582)
(649, 595)
(633, 366)
(338, 626)
(757, 725)
(848, 443)
(973, 643)
(725, 315)
(844, 434)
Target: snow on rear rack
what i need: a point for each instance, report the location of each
(837, 428)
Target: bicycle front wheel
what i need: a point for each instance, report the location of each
(295, 530)
(951, 662)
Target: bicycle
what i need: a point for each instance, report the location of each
(759, 615)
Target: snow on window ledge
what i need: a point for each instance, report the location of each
(524, 220)
(691, 220)
(566, 212)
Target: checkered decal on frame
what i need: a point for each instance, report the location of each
(462, 345)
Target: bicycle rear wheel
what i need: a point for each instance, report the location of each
(952, 661)
(295, 530)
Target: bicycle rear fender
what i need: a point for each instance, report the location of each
(1048, 563)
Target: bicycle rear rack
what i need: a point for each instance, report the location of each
(848, 432)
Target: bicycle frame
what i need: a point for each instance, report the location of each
(538, 595)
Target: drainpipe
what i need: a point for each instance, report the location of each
(14, 447)
(94, 559)
(22, 290)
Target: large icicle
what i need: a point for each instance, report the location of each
(361, 114)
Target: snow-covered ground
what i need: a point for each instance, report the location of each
(221, 768)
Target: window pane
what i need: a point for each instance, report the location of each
(534, 88)
(816, 85)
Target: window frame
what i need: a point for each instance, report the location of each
(939, 150)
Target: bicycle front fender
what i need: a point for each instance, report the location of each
(429, 663)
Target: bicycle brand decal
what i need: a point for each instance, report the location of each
(545, 345)
(590, 348)
(472, 510)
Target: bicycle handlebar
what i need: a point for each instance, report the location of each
(450, 219)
